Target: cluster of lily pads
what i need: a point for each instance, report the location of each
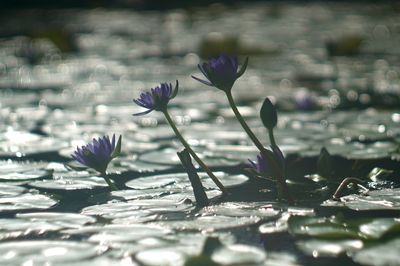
(220, 72)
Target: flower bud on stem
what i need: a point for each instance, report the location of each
(282, 186)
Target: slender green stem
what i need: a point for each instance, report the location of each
(271, 136)
(243, 123)
(111, 185)
(282, 186)
(194, 155)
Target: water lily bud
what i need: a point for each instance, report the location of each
(268, 114)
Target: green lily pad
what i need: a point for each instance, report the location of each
(385, 199)
(26, 201)
(70, 184)
(210, 223)
(138, 207)
(239, 254)
(242, 209)
(281, 224)
(380, 254)
(367, 229)
(378, 227)
(14, 228)
(63, 219)
(329, 248)
(23, 171)
(320, 227)
(162, 256)
(43, 252)
(7, 190)
(20, 144)
(119, 233)
(181, 180)
(168, 156)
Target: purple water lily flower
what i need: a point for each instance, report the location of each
(221, 72)
(157, 98)
(262, 167)
(98, 153)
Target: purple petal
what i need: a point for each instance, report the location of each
(203, 68)
(143, 113)
(203, 81)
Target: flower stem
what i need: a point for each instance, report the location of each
(243, 123)
(271, 137)
(344, 184)
(198, 189)
(282, 186)
(110, 184)
(194, 155)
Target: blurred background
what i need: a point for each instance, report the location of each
(73, 72)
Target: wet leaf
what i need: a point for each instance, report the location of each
(385, 199)
(321, 227)
(239, 254)
(26, 201)
(379, 254)
(45, 251)
(328, 248)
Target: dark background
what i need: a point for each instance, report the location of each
(143, 4)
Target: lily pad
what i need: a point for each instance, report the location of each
(329, 248)
(333, 227)
(13, 171)
(26, 201)
(7, 190)
(281, 224)
(168, 156)
(63, 219)
(70, 184)
(138, 208)
(385, 199)
(15, 228)
(321, 227)
(380, 254)
(162, 256)
(43, 252)
(117, 233)
(210, 223)
(242, 209)
(20, 144)
(239, 254)
(139, 166)
(181, 180)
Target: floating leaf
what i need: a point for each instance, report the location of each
(328, 248)
(385, 199)
(379, 254)
(63, 219)
(43, 252)
(239, 254)
(210, 223)
(26, 201)
(321, 227)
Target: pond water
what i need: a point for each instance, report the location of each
(67, 76)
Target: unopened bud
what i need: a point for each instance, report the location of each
(268, 114)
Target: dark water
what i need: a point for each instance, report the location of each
(67, 76)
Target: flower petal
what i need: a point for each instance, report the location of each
(143, 113)
(203, 81)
